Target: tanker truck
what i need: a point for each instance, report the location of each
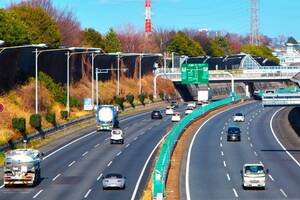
(107, 117)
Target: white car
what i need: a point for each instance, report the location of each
(176, 117)
(114, 180)
(254, 175)
(238, 117)
(188, 110)
(116, 136)
(169, 110)
(192, 104)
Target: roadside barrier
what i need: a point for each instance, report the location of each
(160, 172)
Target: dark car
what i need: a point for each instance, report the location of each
(156, 114)
(233, 133)
(174, 104)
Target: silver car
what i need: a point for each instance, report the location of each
(114, 181)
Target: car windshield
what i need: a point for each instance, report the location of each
(113, 176)
(238, 114)
(254, 170)
(233, 130)
(155, 111)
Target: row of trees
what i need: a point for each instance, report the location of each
(38, 21)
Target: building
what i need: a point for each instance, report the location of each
(289, 55)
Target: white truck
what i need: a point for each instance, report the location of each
(254, 175)
(22, 167)
(204, 96)
(107, 117)
(116, 136)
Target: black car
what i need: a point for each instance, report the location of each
(156, 114)
(233, 133)
(174, 104)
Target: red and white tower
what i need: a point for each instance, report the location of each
(148, 23)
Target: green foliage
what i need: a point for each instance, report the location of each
(54, 88)
(19, 124)
(183, 45)
(151, 98)
(130, 99)
(120, 101)
(262, 51)
(162, 95)
(64, 114)
(292, 40)
(93, 38)
(74, 102)
(36, 121)
(112, 43)
(12, 29)
(51, 118)
(220, 47)
(42, 28)
(142, 98)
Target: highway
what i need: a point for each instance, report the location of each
(212, 168)
(74, 169)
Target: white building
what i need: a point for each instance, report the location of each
(289, 55)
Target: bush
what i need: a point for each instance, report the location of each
(19, 124)
(130, 99)
(51, 118)
(142, 99)
(162, 95)
(151, 98)
(120, 101)
(36, 121)
(74, 102)
(64, 114)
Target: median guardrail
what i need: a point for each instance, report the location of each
(162, 164)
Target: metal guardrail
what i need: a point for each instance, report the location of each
(163, 161)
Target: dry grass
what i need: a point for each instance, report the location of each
(21, 101)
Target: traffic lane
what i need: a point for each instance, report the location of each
(65, 157)
(207, 174)
(93, 166)
(284, 171)
(236, 154)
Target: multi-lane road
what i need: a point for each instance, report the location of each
(213, 165)
(74, 170)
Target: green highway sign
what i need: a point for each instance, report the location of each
(194, 73)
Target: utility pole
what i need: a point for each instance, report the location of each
(254, 37)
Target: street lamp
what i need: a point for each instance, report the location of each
(1, 42)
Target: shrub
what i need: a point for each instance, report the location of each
(151, 98)
(142, 99)
(19, 124)
(74, 102)
(120, 101)
(36, 121)
(51, 118)
(130, 99)
(64, 114)
(162, 95)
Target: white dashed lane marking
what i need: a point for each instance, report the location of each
(87, 194)
(72, 163)
(224, 163)
(222, 153)
(235, 193)
(97, 145)
(109, 163)
(284, 194)
(84, 154)
(58, 175)
(99, 177)
(228, 177)
(271, 177)
(119, 153)
(37, 194)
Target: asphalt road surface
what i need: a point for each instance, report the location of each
(213, 171)
(75, 169)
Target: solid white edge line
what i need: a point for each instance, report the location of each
(70, 143)
(187, 184)
(58, 175)
(144, 168)
(87, 194)
(235, 193)
(87, 135)
(99, 177)
(288, 153)
(284, 194)
(37, 194)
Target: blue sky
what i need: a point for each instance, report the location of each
(277, 17)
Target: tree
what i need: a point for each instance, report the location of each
(292, 40)
(12, 30)
(68, 24)
(92, 38)
(220, 47)
(42, 28)
(131, 40)
(183, 45)
(111, 42)
(262, 51)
